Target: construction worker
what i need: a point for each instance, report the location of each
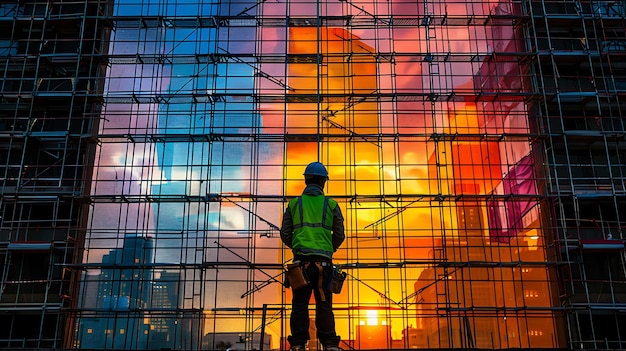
(313, 228)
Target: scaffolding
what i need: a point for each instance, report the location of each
(53, 67)
(476, 149)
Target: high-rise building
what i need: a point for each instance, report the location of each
(52, 65)
(124, 287)
(579, 81)
(476, 150)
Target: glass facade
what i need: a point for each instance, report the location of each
(476, 149)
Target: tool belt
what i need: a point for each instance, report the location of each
(297, 279)
(335, 283)
(295, 276)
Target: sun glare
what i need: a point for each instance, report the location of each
(372, 317)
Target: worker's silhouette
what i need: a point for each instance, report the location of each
(313, 228)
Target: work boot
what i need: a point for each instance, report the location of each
(298, 348)
(332, 348)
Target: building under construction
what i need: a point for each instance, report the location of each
(149, 147)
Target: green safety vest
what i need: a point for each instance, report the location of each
(312, 225)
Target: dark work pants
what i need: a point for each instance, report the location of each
(324, 318)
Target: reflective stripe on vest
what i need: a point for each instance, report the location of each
(312, 222)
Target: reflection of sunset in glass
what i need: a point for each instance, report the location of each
(419, 111)
(460, 160)
(150, 147)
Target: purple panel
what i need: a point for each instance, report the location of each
(519, 181)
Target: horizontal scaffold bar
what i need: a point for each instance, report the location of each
(185, 97)
(252, 97)
(354, 21)
(296, 137)
(360, 20)
(344, 266)
(269, 137)
(356, 57)
(440, 307)
(433, 199)
(280, 198)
